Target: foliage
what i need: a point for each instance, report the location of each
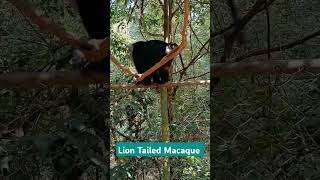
(266, 127)
(47, 133)
(135, 114)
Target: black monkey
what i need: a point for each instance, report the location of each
(145, 54)
(95, 18)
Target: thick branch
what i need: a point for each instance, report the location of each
(47, 26)
(168, 84)
(44, 79)
(63, 78)
(265, 67)
(121, 67)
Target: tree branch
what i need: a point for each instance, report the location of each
(279, 48)
(65, 79)
(265, 67)
(47, 26)
(168, 84)
(45, 79)
(253, 11)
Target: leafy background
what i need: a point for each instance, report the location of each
(48, 133)
(267, 127)
(135, 114)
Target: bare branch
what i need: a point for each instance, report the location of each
(168, 84)
(279, 48)
(65, 79)
(47, 26)
(265, 67)
(121, 67)
(254, 11)
(45, 79)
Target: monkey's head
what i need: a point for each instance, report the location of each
(170, 47)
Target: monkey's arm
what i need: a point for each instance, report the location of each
(95, 18)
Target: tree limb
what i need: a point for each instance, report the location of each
(47, 26)
(65, 79)
(168, 84)
(279, 48)
(265, 67)
(45, 79)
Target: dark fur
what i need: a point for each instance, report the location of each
(145, 54)
(95, 18)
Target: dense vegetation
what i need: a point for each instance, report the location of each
(267, 127)
(262, 127)
(48, 133)
(135, 114)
